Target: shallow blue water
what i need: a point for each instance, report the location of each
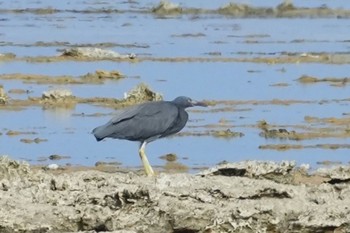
(152, 36)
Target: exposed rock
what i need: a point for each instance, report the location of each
(57, 94)
(52, 166)
(12, 169)
(142, 93)
(286, 5)
(243, 10)
(57, 98)
(256, 169)
(95, 53)
(3, 96)
(93, 201)
(337, 174)
(166, 7)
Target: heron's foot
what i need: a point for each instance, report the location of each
(149, 171)
(148, 168)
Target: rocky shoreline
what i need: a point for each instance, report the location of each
(250, 196)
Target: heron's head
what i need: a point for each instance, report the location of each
(186, 102)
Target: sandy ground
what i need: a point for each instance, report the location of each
(249, 196)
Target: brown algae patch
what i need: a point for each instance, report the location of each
(190, 35)
(312, 133)
(286, 10)
(285, 58)
(102, 75)
(260, 102)
(225, 133)
(7, 56)
(98, 77)
(244, 10)
(280, 133)
(64, 98)
(345, 122)
(280, 85)
(283, 147)
(18, 91)
(166, 8)
(276, 133)
(41, 79)
(35, 140)
(306, 79)
(16, 133)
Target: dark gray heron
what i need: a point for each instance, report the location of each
(147, 122)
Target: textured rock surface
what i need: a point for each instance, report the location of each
(95, 53)
(90, 201)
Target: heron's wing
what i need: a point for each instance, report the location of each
(143, 122)
(126, 113)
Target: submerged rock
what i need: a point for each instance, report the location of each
(58, 157)
(169, 157)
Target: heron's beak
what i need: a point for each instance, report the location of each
(199, 103)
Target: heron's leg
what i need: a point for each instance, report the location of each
(148, 169)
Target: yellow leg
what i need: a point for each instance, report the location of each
(148, 169)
